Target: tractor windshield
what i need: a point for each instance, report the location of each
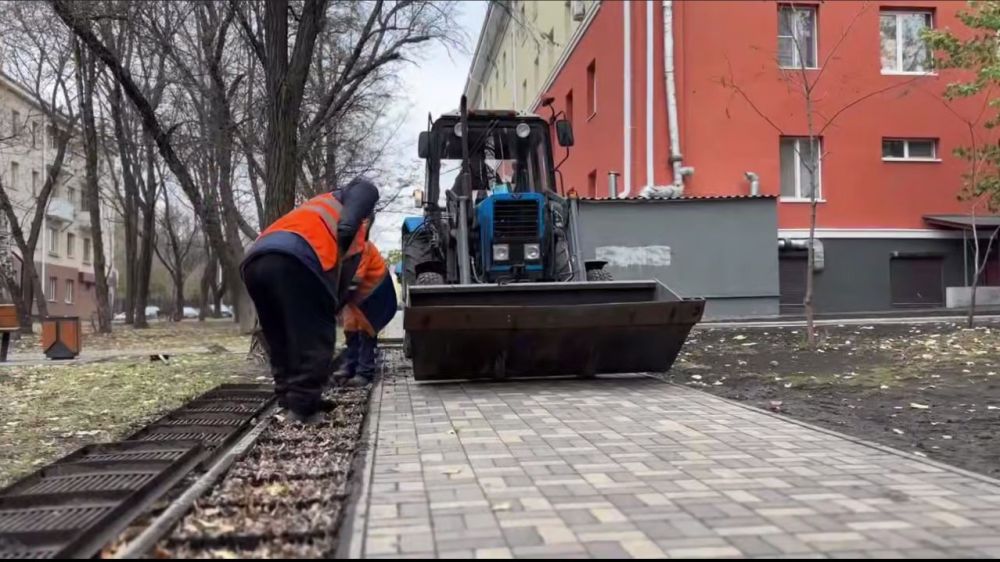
(500, 159)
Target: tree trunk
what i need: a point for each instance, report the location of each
(23, 313)
(147, 238)
(86, 73)
(178, 297)
(130, 211)
(206, 285)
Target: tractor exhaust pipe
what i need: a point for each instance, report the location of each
(464, 270)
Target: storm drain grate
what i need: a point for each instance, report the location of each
(71, 508)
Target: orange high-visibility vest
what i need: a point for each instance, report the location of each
(316, 222)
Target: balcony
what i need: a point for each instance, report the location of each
(61, 209)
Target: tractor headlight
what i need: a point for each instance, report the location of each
(532, 252)
(501, 252)
(522, 130)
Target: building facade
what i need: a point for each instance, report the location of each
(892, 232)
(64, 254)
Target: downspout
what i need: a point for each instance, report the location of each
(675, 189)
(627, 82)
(650, 177)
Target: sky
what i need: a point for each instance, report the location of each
(434, 84)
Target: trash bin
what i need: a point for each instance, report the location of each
(61, 337)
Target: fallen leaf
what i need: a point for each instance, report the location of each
(946, 437)
(696, 377)
(897, 431)
(884, 387)
(739, 337)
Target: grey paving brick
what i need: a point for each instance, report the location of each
(631, 467)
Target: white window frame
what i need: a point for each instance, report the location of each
(899, 43)
(87, 250)
(70, 245)
(53, 288)
(906, 151)
(70, 287)
(53, 242)
(592, 95)
(798, 198)
(815, 36)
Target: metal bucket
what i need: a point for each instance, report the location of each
(545, 329)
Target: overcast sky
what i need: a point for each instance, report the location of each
(433, 85)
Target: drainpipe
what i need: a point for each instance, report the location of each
(650, 179)
(627, 82)
(676, 163)
(754, 180)
(44, 281)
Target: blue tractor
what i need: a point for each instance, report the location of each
(494, 282)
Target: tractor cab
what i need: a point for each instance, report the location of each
(509, 183)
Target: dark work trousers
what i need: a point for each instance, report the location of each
(298, 317)
(360, 356)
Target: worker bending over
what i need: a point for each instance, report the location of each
(369, 308)
(298, 273)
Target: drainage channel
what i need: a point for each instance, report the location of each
(288, 496)
(78, 504)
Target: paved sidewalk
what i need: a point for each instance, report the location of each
(633, 467)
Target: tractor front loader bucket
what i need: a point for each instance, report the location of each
(545, 329)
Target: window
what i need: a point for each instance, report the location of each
(592, 183)
(797, 37)
(909, 149)
(591, 89)
(34, 182)
(34, 135)
(69, 291)
(51, 133)
(70, 244)
(15, 122)
(53, 241)
(799, 163)
(15, 174)
(903, 50)
(53, 287)
(71, 194)
(569, 106)
(86, 250)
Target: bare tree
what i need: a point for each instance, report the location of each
(806, 82)
(86, 80)
(40, 58)
(178, 234)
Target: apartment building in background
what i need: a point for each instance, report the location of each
(64, 255)
(891, 231)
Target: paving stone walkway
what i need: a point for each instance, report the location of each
(634, 467)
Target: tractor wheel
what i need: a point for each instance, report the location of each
(600, 275)
(430, 278)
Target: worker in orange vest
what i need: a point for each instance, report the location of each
(298, 273)
(370, 307)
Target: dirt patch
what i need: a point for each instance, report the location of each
(931, 389)
(285, 498)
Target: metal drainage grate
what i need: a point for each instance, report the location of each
(73, 507)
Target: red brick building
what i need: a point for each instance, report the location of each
(885, 163)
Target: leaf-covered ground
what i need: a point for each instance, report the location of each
(930, 389)
(163, 335)
(48, 410)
